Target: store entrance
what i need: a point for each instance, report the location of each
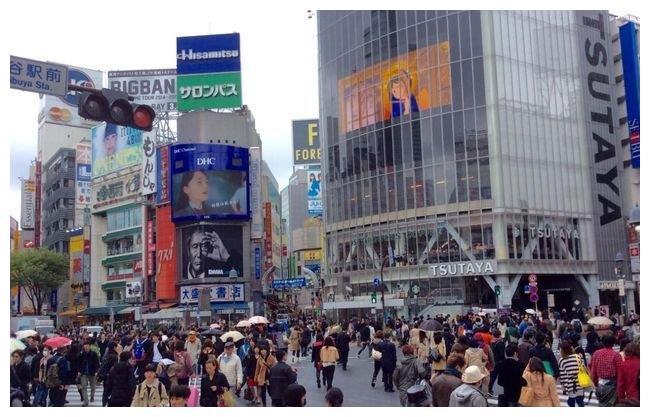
(610, 298)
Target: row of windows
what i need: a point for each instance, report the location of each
(58, 225)
(467, 180)
(419, 245)
(438, 139)
(124, 218)
(124, 245)
(62, 203)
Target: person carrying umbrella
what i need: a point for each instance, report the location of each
(57, 374)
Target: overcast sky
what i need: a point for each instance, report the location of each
(278, 53)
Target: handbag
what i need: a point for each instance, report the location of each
(548, 368)
(376, 355)
(526, 397)
(584, 380)
(228, 399)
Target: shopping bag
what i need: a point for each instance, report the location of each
(526, 397)
(584, 380)
(228, 399)
(193, 400)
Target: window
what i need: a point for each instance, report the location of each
(124, 218)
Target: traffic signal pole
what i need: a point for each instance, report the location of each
(82, 89)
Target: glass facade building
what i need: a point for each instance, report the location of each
(458, 140)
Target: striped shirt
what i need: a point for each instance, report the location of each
(569, 375)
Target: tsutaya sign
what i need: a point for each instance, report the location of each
(463, 268)
(549, 231)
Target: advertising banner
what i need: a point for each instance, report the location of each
(258, 263)
(209, 91)
(218, 293)
(86, 266)
(134, 290)
(115, 147)
(209, 182)
(151, 249)
(155, 88)
(63, 110)
(306, 143)
(635, 258)
(211, 251)
(268, 236)
(166, 261)
(279, 284)
(27, 199)
(314, 193)
(256, 193)
(208, 72)
(404, 85)
(37, 204)
(83, 174)
(163, 181)
(115, 191)
(628, 34)
(148, 164)
(76, 248)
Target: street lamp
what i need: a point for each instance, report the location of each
(620, 276)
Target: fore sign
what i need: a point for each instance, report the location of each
(306, 142)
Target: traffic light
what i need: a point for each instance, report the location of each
(373, 298)
(497, 290)
(113, 106)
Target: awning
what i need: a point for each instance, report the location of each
(127, 310)
(132, 256)
(102, 311)
(113, 284)
(121, 233)
(172, 313)
(70, 313)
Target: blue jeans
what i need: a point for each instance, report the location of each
(40, 397)
(571, 402)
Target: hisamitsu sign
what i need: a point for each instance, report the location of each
(38, 77)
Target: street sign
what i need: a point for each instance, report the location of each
(551, 299)
(533, 289)
(38, 77)
(534, 297)
(376, 282)
(526, 289)
(532, 278)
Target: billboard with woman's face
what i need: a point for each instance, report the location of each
(402, 86)
(209, 182)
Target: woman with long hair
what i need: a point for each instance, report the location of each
(569, 364)
(329, 354)
(542, 385)
(194, 193)
(265, 361)
(315, 355)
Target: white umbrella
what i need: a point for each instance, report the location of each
(24, 334)
(16, 345)
(258, 320)
(243, 323)
(234, 334)
(600, 321)
(215, 326)
(531, 311)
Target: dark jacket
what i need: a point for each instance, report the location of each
(210, 398)
(364, 333)
(499, 351)
(593, 342)
(120, 385)
(20, 377)
(66, 374)
(107, 363)
(449, 341)
(523, 351)
(407, 374)
(249, 364)
(35, 366)
(88, 363)
(546, 354)
(443, 384)
(148, 351)
(388, 356)
(305, 338)
(315, 352)
(509, 374)
(343, 342)
(280, 377)
(102, 346)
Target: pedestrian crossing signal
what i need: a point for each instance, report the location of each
(373, 298)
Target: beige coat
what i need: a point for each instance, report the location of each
(544, 389)
(261, 369)
(294, 339)
(442, 349)
(152, 399)
(329, 354)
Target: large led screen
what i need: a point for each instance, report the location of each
(211, 251)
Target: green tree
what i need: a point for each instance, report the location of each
(38, 272)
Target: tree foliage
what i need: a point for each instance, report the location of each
(38, 271)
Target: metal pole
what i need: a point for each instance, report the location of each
(383, 302)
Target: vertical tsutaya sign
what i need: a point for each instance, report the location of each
(314, 193)
(631, 74)
(27, 203)
(257, 227)
(597, 81)
(208, 72)
(306, 143)
(148, 173)
(83, 175)
(163, 183)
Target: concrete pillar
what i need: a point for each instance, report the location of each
(499, 232)
(507, 291)
(629, 302)
(592, 290)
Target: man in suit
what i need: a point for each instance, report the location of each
(281, 376)
(388, 363)
(343, 345)
(509, 375)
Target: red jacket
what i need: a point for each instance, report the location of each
(627, 385)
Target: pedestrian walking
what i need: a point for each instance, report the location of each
(193, 348)
(569, 364)
(207, 352)
(438, 353)
(376, 355)
(295, 396)
(315, 356)
(509, 375)
(388, 362)
(57, 377)
(334, 397)
(88, 367)
(121, 382)
(280, 377)
(329, 354)
(443, 384)
(150, 392)
(469, 394)
(629, 377)
(178, 396)
(407, 373)
(294, 343)
(605, 363)
(364, 337)
(183, 368)
(499, 351)
(305, 340)
(343, 345)
(40, 397)
(540, 388)
(264, 362)
(545, 354)
(20, 374)
(230, 366)
(213, 384)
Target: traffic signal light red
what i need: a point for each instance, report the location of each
(114, 107)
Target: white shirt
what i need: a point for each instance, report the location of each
(157, 357)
